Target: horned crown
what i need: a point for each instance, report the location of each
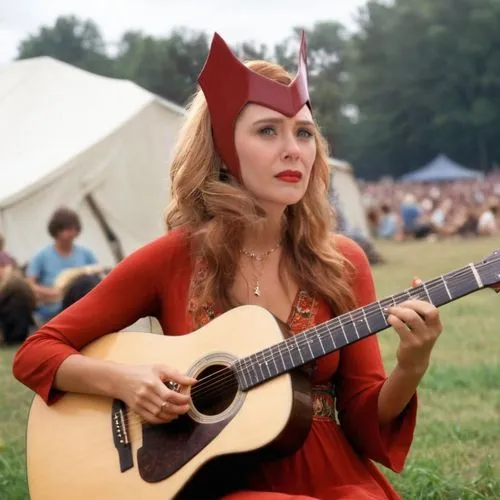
(228, 85)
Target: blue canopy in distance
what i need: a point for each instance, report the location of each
(439, 170)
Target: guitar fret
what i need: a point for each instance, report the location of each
(271, 354)
(366, 319)
(299, 349)
(378, 319)
(289, 354)
(310, 349)
(380, 308)
(343, 331)
(296, 358)
(446, 287)
(242, 371)
(260, 363)
(427, 292)
(354, 325)
(280, 352)
(333, 339)
(266, 363)
(437, 292)
(329, 337)
(326, 336)
(476, 275)
(251, 370)
(321, 343)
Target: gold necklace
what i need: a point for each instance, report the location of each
(258, 259)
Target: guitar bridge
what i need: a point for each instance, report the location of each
(119, 427)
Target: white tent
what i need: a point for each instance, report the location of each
(345, 191)
(96, 144)
(99, 145)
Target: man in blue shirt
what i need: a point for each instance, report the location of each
(64, 226)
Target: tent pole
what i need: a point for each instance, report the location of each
(111, 237)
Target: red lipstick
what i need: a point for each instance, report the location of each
(289, 176)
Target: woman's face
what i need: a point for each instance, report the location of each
(276, 154)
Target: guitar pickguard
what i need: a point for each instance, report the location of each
(166, 448)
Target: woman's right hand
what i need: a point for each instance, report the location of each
(143, 389)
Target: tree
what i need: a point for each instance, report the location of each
(70, 40)
(426, 80)
(168, 66)
(415, 79)
(327, 47)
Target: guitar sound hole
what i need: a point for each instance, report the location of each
(215, 390)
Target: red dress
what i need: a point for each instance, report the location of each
(335, 462)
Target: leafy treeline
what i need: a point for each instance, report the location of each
(416, 78)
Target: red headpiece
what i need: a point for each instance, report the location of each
(228, 85)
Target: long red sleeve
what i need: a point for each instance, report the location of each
(358, 381)
(131, 291)
(154, 281)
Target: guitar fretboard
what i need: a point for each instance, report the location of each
(350, 327)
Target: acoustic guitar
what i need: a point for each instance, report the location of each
(250, 397)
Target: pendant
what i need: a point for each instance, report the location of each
(256, 290)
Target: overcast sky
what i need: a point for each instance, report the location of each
(265, 21)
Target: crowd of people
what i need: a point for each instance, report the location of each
(56, 276)
(32, 294)
(463, 208)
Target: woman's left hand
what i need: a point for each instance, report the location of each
(418, 325)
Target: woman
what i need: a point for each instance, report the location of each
(250, 224)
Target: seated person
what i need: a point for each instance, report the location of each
(389, 226)
(45, 268)
(5, 258)
(17, 302)
(414, 224)
(487, 223)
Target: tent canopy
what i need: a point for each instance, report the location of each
(345, 196)
(99, 145)
(441, 169)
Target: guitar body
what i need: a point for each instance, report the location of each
(70, 446)
(248, 398)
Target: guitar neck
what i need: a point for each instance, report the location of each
(350, 327)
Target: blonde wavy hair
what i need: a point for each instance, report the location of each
(216, 210)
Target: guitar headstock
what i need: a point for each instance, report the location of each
(489, 270)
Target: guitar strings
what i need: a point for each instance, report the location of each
(300, 340)
(228, 376)
(225, 378)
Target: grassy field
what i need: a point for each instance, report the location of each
(456, 451)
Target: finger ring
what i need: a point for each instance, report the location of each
(173, 386)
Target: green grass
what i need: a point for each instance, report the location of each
(14, 404)
(456, 450)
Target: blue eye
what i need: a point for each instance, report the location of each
(303, 132)
(267, 131)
